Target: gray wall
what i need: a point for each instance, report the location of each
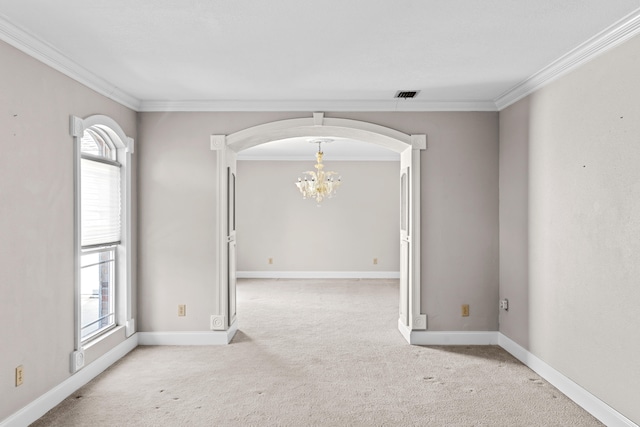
(344, 234)
(177, 214)
(575, 145)
(36, 222)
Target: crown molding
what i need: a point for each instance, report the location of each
(612, 36)
(49, 55)
(609, 38)
(316, 105)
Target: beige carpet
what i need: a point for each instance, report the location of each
(318, 353)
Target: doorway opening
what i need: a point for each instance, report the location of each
(408, 147)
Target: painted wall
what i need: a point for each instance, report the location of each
(177, 214)
(514, 221)
(36, 222)
(581, 135)
(345, 233)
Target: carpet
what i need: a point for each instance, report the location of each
(318, 353)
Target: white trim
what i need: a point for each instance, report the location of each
(391, 157)
(404, 330)
(188, 338)
(609, 38)
(573, 391)
(612, 36)
(49, 55)
(306, 127)
(125, 147)
(318, 275)
(53, 397)
(419, 141)
(317, 105)
(590, 403)
(454, 338)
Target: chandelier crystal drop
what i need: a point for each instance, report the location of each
(319, 185)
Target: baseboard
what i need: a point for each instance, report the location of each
(405, 331)
(53, 397)
(188, 338)
(454, 338)
(596, 407)
(318, 274)
(582, 397)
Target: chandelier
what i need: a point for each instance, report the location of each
(319, 185)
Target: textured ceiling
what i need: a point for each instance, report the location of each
(279, 52)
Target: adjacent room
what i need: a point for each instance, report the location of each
(294, 213)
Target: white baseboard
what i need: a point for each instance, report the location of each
(454, 338)
(318, 274)
(405, 331)
(582, 397)
(53, 397)
(596, 407)
(188, 338)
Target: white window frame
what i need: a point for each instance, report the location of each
(124, 145)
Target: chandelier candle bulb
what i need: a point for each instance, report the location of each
(319, 185)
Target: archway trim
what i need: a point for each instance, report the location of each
(320, 126)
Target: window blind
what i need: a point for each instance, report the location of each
(100, 212)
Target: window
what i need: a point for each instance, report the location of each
(103, 287)
(100, 229)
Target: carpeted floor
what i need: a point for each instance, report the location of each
(318, 353)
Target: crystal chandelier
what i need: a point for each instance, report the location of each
(320, 184)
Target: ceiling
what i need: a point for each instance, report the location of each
(301, 55)
(207, 55)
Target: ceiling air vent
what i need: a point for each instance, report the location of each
(406, 94)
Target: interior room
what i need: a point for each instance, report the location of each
(495, 170)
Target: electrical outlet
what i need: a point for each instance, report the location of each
(19, 375)
(465, 310)
(504, 304)
(182, 310)
(375, 261)
(270, 260)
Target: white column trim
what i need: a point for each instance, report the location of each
(416, 317)
(419, 142)
(218, 143)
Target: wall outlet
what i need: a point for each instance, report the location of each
(270, 260)
(19, 375)
(465, 310)
(375, 261)
(504, 304)
(182, 310)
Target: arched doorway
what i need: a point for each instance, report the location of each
(409, 146)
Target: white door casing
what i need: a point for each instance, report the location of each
(225, 315)
(410, 315)
(409, 146)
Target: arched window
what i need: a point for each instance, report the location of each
(103, 231)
